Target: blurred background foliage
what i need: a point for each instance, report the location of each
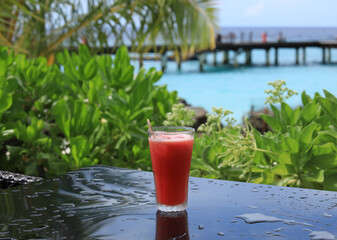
(44, 27)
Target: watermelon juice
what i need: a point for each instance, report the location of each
(171, 152)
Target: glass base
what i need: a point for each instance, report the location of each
(168, 208)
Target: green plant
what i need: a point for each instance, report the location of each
(305, 143)
(301, 151)
(180, 116)
(93, 111)
(279, 93)
(221, 152)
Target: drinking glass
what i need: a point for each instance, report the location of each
(171, 152)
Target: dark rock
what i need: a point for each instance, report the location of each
(183, 101)
(257, 122)
(9, 179)
(200, 116)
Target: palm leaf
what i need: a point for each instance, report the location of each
(41, 27)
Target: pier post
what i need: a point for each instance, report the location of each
(304, 56)
(214, 58)
(297, 56)
(235, 60)
(163, 62)
(248, 57)
(267, 57)
(201, 57)
(329, 55)
(323, 55)
(225, 57)
(276, 56)
(179, 60)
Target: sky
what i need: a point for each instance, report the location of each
(278, 13)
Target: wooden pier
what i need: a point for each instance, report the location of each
(247, 48)
(238, 49)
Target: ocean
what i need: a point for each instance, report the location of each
(239, 88)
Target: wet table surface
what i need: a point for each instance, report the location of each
(111, 203)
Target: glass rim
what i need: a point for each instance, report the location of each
(171, 130)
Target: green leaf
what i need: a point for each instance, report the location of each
(272, 122)
(292, 144)
(3, 67)
(276, 112)
(62, 115)
(306, 135)
(305, 98)
(31, 133)
(257, 169)
(326, 148)
(136, 149)
(210, 154)
(296, 115)
(284, 157)
(84, 53)
(286, 113)
(325, 161)
(90, 69)
(330, 96)
(330, 182)
(326, 137)
(317, 176)
(289, 116)
(202, 165)
(161, 108)
(138, 133)
(80, 148)
(257, 180)
(37, 124)
(309, 112)
(33, 74)
(280, 169)
(329, 107)
(5, 101)
(11, 84)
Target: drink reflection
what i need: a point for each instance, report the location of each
(172, 225)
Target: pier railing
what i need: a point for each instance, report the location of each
(226, 47)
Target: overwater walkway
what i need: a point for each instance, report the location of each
(164, 53)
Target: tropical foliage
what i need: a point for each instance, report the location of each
(93, 111)
(41, 28)
(303, 143)
(301, 150)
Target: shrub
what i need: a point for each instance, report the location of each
(301, 150)
(88, 110)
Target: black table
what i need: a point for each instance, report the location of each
(112, 203)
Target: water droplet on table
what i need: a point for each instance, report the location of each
(201, 226)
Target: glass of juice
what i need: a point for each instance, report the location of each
(171, 152)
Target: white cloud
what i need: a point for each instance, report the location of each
(255, 10)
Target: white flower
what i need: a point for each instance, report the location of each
(67, 151)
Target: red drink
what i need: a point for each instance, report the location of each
(171, 151)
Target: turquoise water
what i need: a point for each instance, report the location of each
(237, 89)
